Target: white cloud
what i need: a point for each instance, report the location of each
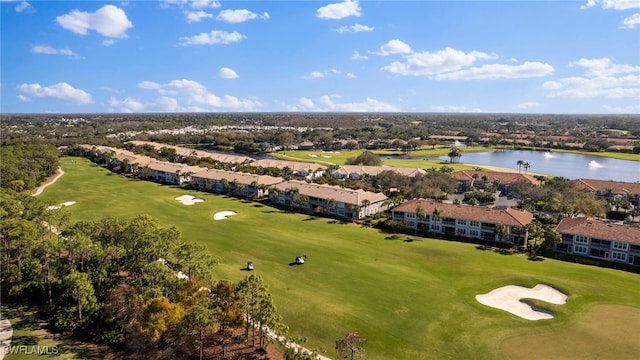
(109, 21)
(23, 98)
(339, 10)
(351, 75)
(613, 4)
(62, 91)
(197, 98)
(49, 50)
(356, 56)
(393, 47)
(196, 16)
(240, 15)
(499, 71)
(631, 21)
(193, 4)
(327, 103)
(604, 66)
(227, 73)
(23, 6)
(528, 105)
(108, 42)
(432, 63)
(320, 74)
(456, 109)
(212, 38)
(130, 105)
(354, 28)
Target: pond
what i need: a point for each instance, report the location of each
(569, 165)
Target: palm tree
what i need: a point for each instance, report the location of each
(519, 163)
(420, 212)
(454, 153)
(225, 185)
(436, 214)
(526, 167)
(474, 202)
(366, 204)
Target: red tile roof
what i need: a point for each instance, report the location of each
(599, 229)
(502, 177)
(507, 216)
(347, 196)
(618, 187)
(346, 170)
(242, 178)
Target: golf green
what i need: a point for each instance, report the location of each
(411, 297)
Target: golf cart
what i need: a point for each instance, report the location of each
(301, 259)
(249, 266)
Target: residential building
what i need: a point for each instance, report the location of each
(297, 169)
(616, 189)
(171, 173)
(331, 200)
(598, 239)
(469, 179)
(488, 224)
(237, 183)
(357, 172)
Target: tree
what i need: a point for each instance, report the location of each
(454, 153)
(474, 202)
(366, 158)
(200, 320)
(158, 316)
(526, 167)
(519, 163)
(78, 287)
(502, 231)
(351, 346)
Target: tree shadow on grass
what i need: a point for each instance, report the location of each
(407, 239)
(257, 205)
(340, 222)
(310, 218)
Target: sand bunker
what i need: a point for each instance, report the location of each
(508, 298)
(188, 199)
(313, 155)
(55, 207)
(223, 215)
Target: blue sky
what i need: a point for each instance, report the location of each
(277, 56)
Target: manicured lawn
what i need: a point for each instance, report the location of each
(339, 158)
(410, 297)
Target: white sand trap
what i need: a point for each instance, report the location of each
(313, 155)
(188, 199)
(55, 207)
(508, 298)
(326, 156)
(223, 215)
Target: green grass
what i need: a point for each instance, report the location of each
(410, 297)
(609, 154)
(340, 157)
(29, 331)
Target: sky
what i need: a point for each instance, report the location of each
(314, 56)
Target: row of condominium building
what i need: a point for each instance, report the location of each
(581, 236)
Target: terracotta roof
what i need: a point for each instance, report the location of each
(242, 178)
(376, 170)
(505, 178)
(185, 152)
(507, 216)
(618, 187)
(293, 165)
(347, 196)
(599, 229)
(173, 168)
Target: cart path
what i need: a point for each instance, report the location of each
(49, 182)
(6, 332)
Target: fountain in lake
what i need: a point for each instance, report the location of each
(548, 155)
(594, 164)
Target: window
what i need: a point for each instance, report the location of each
(411, 216)
(474, 223)
(462, 222)
(462, 231)
(475, 233)
(620, 246)
(435, 227)
(579, 249)
(619, 256)
(581, 239)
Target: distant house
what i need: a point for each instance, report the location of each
(464, 221)
(357, 172)
(297, 169)
(237, 183)
(332, 200)
(617, 189)
(183, 153)
(469, 179)
(599, 240)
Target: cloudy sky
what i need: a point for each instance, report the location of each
(366, 56)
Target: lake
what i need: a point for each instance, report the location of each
(569, 165)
